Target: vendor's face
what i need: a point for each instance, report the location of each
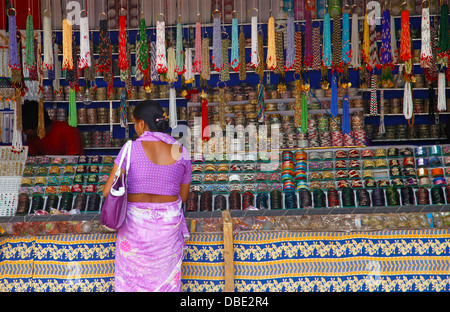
(30, 132)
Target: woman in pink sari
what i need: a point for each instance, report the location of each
(150, 245)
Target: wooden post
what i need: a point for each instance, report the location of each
(228, 252)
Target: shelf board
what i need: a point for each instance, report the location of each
(410, 140)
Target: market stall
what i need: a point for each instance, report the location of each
(317, 133)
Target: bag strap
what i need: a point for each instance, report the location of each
(126, 152)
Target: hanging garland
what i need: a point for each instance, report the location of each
(85, 45)
(308, 58)
(386, 51)
(29, 45)
(143, 49)
(298, 52)
(355, 47)
(254, 61)
(206, 68)
(234, 62)
(425, 53)
(242, 60)
(179, 69)
(271, 61)
(197, 66)
(161, 57)
(216, 58)
(290, 44)
(67, 45)
(317, 61)
(225, 72)
(123, 62)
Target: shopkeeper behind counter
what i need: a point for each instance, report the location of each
(60, 138)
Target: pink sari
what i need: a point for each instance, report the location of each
(150, 245)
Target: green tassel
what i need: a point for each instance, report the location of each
(72, 108)
(443, 43)
(304, 114)
(30, 60)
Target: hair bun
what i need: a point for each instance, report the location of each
(162, 125)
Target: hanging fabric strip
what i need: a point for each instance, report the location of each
(394, 49)
(407, 101)
(179, 69)
(217, 60)
(334, 94)
(297, 105)
(12, 44)
(153, 71)
(189, 72)
(173, 118)
(381, 129)
(17, 144)
(327, 56)
(279, 52)
(72, 116)
(123, 110)
(242, 60)
(431, 104)
(222, 105)
(205, 119)
(431, 73)
(225, 72)
(67, 45)
(198, 48)
(337, 44)
(161, 58)
(259, 70)
(47, 42)
(29, 45)
(425, 53)
(405, 38)
(308, 58)
(374, 61)
(373, 108)
(346, 54)
(355, 46)
(442, 100)
(271, 62)
(138, 75)
(56, 82)
(346, 128)
(85, 45)
(171, 75)
(104, 60)
(304, 112)
(317, 60)
(365, 49)
(206, 68)
(32, 71)
(123, 63)
(254, 61)
(290, 43)
(234, 61)
(298, 52)
(143, 48)
(261, 104)
(386, 51)
(443, 47)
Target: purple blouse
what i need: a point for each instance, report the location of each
(149, 178)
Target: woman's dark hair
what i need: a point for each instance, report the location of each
(30, 115)
(152, 113)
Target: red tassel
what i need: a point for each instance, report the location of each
(123, 62)
(205, 121)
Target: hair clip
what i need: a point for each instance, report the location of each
(165, 117)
